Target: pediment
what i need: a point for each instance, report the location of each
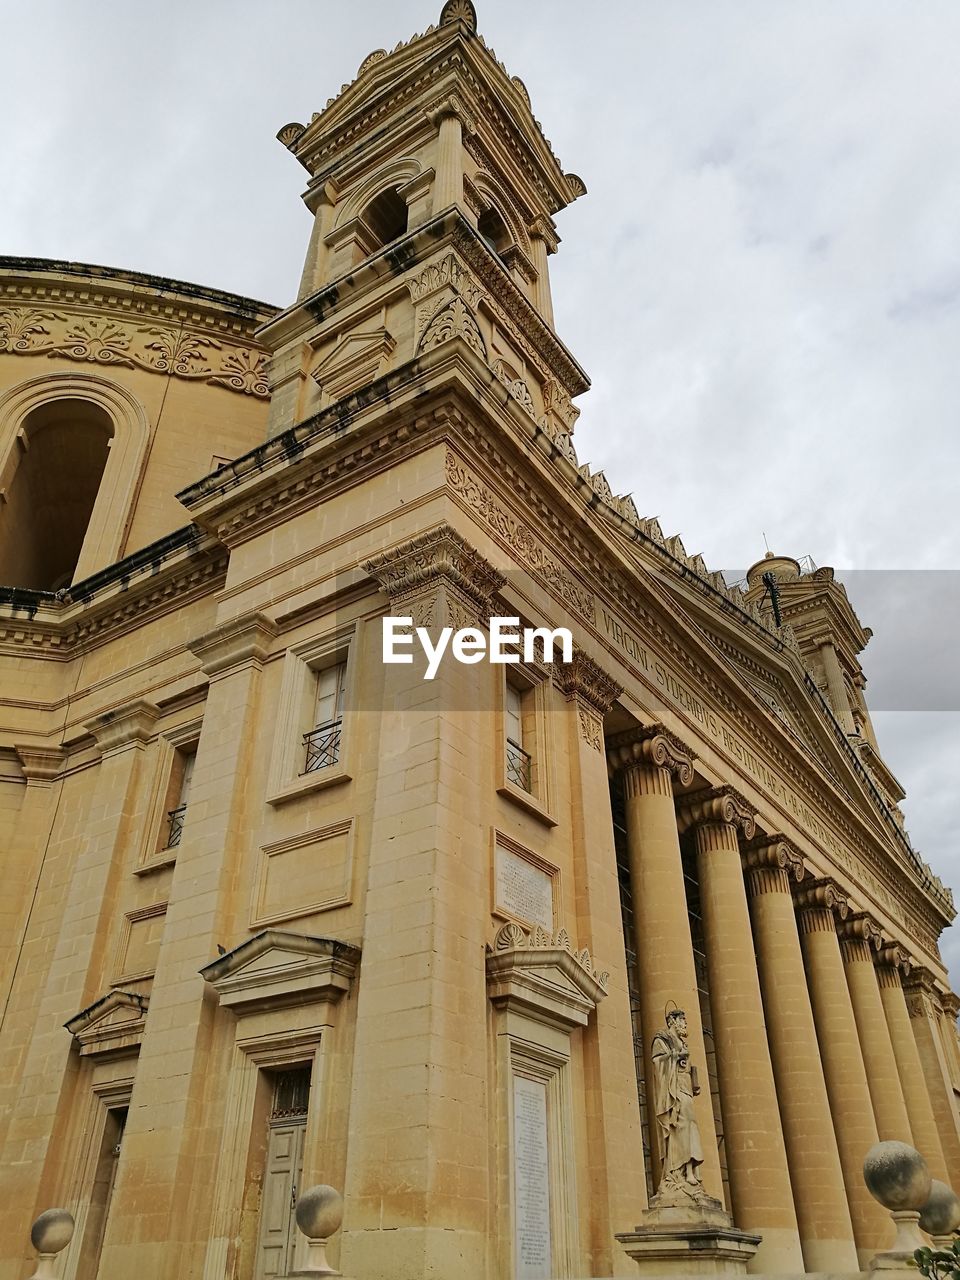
(543, 977)
(276, 968)
(357, 359)
(113, 1024)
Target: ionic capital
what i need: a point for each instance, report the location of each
(860, 926)
(583, 680)
(653, 746)
(716, 806)
(414, 573)
(821, 903)
(951, 1005)
(895, 959)
(453, 107)
(542, 228)
(773, 851)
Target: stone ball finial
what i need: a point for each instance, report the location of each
(940, 1216)
(320, 1212)
(52, 1231)
(896, 1174)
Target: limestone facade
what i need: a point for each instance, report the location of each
(276, 913)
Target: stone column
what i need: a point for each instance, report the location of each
(860, 939)
(843, 1068)
(826, 1231)
(612, 1110)
(543, 241)
(892, 964)
(948, 1031)
(650, 758)
(451, 119)
(320, 200)
(836, 686)
(418, 1177)
(752, 1135)
(923, 1005)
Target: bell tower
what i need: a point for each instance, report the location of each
(433, 191)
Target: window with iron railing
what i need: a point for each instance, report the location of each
(322, 742)
(176, 815)
(519, 760)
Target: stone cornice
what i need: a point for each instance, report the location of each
(439, 557)
(773, 851)
(542, 976)
(587, 682)
(653, 746)
(242, 642)
(41, 765)
(128, 726)
(716, 805)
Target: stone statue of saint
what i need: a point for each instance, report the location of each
(674, 1088)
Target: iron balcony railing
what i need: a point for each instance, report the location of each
(175, 825)
(323, 746)
(518, 765)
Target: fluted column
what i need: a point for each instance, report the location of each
(451, 119)
(860, 939)
(924, 1009)
(826, 1231)
(843, 1068)
(650, 758)
(753, 1139)
(892, 963)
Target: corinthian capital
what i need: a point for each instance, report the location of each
(439, 560)
(584, 680)
(655, 746)
(716, 805)
(774, 851)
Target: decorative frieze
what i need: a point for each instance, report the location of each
(36, 331)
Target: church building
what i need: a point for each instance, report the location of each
(611, 965)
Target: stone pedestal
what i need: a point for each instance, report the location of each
(697, 1239)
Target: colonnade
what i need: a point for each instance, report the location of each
(827, 1039)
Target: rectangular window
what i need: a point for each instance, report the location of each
(322, 742)
(180, 780)
(519, 759)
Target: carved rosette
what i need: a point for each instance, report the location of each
(771, 863)
(652, 748)
(716, 806)
(584, 682)
(820, 904)
(438, 579)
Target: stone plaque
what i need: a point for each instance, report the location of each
(522, 889)
(531, 1177)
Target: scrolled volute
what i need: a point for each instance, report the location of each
(652, 745)
(716, 805)
(892, 956)
(860, 926)
(773, 851)
(823, 894)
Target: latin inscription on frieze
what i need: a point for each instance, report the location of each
(531, 1180)
(676, 690)
(522, 889)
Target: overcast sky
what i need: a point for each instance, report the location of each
(763, 282)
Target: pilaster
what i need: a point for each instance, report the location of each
(614, 1140)
(753, 1138)
(923, 1005)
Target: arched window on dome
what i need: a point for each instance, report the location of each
(386, 217)
(493, 231)
(50, 487)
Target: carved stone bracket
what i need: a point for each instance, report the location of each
(128, 726)
(437, 572)
(652, 745)
(41, 765)
(716, 805)
(543, 977)
(244, 641)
